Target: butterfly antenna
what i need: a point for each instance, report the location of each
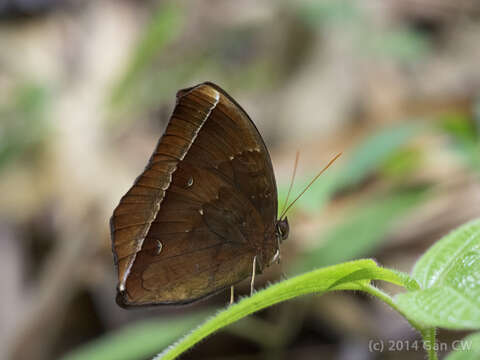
(291, 181)
(310, 184)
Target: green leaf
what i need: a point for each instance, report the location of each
(449, 274)
(466, 349)
(164, 27)
(371, 154)
(365, 159)
(459, 125)
(464, 134)
(25, 127)
(402, 164)
(362, 230)
(437, 263)
(401, 44)
(354, 275)
(137, 341)
(339, 12)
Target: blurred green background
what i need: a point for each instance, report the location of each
(86, 89)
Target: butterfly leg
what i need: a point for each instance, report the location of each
(252, 282)
(278, 254)
(232, 298)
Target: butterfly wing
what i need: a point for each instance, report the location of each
(205, 205)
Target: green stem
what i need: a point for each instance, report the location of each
(428, 334)
(353, 275)
(318, 281)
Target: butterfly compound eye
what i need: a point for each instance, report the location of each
(283, 229)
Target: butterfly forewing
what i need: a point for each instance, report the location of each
(204, 207)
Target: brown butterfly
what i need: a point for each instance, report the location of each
(203, 214)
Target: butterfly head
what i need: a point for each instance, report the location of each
(282, 229)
